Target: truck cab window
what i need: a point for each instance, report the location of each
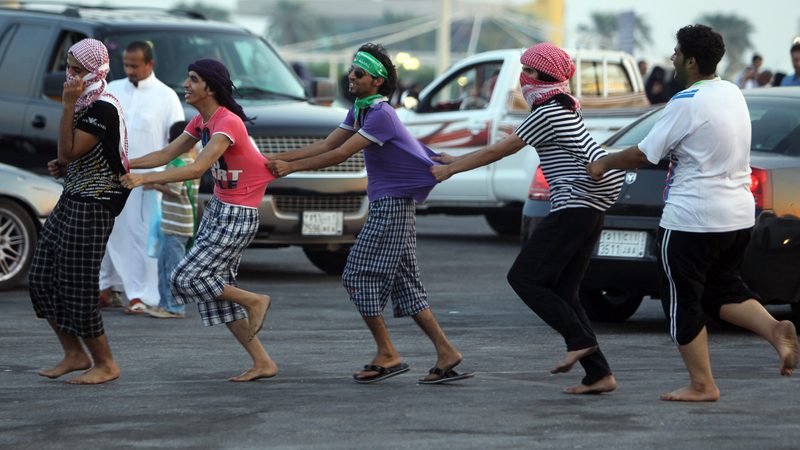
(468, 89)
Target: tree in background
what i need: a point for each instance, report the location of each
(291, 23)
(735, 30)
(211, 12)
(603, 31)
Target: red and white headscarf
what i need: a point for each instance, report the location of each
(551, 60)
(93, 56)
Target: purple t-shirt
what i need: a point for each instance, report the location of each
(398, 165)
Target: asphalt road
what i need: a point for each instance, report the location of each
(173, 393)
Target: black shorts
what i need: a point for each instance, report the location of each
(703, 272)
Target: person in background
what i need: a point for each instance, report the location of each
(63, 278)
(793, 79)
(150, 107)
(747, 78)
(709, 211)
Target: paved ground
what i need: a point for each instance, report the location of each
(173, 393)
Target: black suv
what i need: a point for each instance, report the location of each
(322, 211)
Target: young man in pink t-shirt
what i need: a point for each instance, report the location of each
(230, 222)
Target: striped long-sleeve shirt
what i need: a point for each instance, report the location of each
(177, 216)
(565, 147)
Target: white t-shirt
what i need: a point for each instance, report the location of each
(705, 130)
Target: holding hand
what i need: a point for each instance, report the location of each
(280, 168)
(132, 180)
(444, 158)
(72, 91)
(57, 168)
(441, 173)
(596, 169)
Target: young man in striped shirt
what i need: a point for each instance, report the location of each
(549, 269)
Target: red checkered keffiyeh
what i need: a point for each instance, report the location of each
(548, 59)
(93, 56)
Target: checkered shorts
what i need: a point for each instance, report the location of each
(383, 261)
(213, 261)
(64, 273)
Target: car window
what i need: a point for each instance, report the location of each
(775, 124)
(20, 59)
(256, 70)
(468, 89)
(58, 60)
(591, 76)
(637, 132)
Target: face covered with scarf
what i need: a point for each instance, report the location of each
(92, 55)
(547, 59)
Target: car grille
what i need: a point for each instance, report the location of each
(280, 144)
(300, 203)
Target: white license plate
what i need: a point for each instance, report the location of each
(322, 223)
(622, 243)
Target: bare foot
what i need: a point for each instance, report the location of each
(67, 365)
(256, 373)
(97, 375)
(605, 384)
(571, 358)
(256, 315)
(378, 361)
(785, 342)
(693, 394)
(446, 363)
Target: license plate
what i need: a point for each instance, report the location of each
(322, 223)
(622, 243)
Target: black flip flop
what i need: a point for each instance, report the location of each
(446, 377)
(382, 373)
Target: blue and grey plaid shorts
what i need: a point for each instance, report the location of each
(213, 261)
(383, 262)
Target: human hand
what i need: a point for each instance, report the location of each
(444, 158)
(441, 173)
(280, 168)
(596, 169)
(72, 91)
(132, 180)
(56, 168)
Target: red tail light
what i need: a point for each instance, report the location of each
(761, 187)
(539, 189)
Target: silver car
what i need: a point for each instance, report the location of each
(25, 201)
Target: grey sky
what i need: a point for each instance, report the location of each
(775, 22)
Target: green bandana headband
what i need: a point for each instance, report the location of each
(370, 64)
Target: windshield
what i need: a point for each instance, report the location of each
(256, 70)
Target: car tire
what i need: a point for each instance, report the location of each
(505, 223)
(609, 305)
(17, 242)
(329, 261)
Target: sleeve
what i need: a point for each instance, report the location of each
(193, 127)
(673, 126)
(378, 126)
(232, 127)
(98, 119)
(536, 129)
(349, 121)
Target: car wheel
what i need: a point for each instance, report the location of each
(17, 242)
(505, 223)
(610, 305)
(329, 261)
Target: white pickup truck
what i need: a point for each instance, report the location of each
(478, 101)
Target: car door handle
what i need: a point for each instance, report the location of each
(39, 122)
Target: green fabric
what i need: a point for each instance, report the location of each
(362, 103)
(178, 162)
(371, 64)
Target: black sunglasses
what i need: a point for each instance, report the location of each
(357, 71)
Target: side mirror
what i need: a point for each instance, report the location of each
(54, 85)
(409, 101)
(322, 91)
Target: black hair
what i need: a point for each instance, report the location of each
(379, 52)
(141, 46)
(218, 80)
(562, 99)
(756, 57)
(703, 44)
(795, 48)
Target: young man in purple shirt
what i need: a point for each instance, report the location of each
(383, 263)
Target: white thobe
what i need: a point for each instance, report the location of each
(149, 109)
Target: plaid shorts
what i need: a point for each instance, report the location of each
(383, 261)
(213, 261)
(64, 273)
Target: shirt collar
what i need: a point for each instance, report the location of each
(148, 82)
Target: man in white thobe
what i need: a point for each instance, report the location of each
(150, 108)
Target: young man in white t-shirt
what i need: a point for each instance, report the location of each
(709, 210)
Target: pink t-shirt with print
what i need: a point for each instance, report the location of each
(240, 174)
